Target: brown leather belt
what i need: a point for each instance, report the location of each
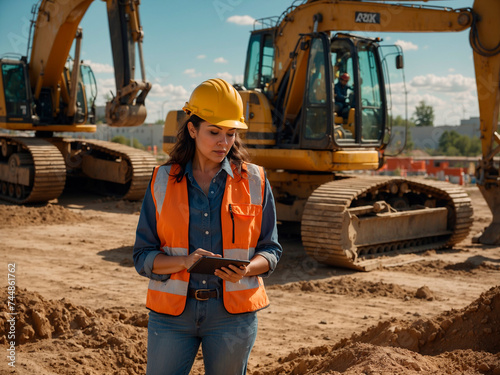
(203, 294)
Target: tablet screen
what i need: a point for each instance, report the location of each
(208, 265)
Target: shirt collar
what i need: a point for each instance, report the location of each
(225, 166)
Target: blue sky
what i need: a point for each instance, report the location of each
(188, 41)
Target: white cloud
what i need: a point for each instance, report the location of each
(452, 83)
(99, 68)
(241, 20)
(192, 73)
(162, 99)
(104, 89)
(453, 98)
(169, 91)
(226, 76)
(201, 57)
(220, 60)
(406, 46)
(239, 79)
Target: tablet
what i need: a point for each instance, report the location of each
(208, 265)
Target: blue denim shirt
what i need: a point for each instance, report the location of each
(204, 228)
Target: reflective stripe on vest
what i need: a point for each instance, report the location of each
(169, 297)
(244, 196)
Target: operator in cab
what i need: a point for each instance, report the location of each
(342, 105)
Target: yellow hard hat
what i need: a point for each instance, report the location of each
(217, 102)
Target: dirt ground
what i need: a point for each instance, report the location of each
(80, 303)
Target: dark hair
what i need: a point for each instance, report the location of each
(185, 147)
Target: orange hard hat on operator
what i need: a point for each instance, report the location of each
(217, 102)
(345, 77)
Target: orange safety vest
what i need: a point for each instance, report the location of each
(241, 218)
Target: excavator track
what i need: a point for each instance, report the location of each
(31, 170)
(36, 170)
(137, 166)
(364, 222)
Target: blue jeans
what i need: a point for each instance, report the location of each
(226, 339)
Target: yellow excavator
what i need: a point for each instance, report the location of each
(310, 137)
(51, 93)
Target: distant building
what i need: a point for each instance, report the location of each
(149, 135)
(471, 121)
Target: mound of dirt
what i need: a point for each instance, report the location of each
(15, 216)
(471, 266)
(457, 341)
(104, 341)
(119, 205)
(348, 286)
(362, 358)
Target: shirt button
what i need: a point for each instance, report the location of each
(213, 180)
(205, 214)
(207, 232)
(204, 282)
(212, 192)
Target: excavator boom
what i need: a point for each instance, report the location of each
(55, 30)
(341, 15)
(485, 41)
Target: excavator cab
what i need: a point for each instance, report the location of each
(345, 101)
(14, 94)
(18, 105)
(313, 109)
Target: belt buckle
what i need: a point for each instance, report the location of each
(201, 290)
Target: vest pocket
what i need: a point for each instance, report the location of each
(245, 220)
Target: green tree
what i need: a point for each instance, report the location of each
(400, 121)
(452, 143)
(409, 142)
(126, 141)
(423, 115)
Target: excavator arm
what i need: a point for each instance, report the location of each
(127, 107)
(485, 42)
(55, 29)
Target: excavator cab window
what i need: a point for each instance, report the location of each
(345, 94)
(89, 82)
(260, 57)
(392, 62)
(371, 89)
(343, 59)
(317, 109)
(360, 105)
(330, 100)
(15, 92)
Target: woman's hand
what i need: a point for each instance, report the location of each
(232, 273)
(197, 254)
(258, 266)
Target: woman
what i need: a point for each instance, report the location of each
(206, 200)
